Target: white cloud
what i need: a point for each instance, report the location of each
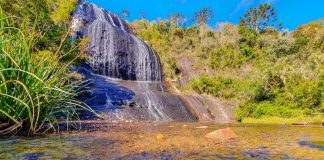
(269, 1)
(243, 4)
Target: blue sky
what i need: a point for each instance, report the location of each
(291, 12)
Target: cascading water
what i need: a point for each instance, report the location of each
(117, 99)
(113, 50)
(116, 53)
(154, 104)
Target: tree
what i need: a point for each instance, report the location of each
(178, 19)
(261, 17)
(142, 14)
(125, 13)
(202, 16)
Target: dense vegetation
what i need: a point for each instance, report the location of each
(37, 87)
(271, 72)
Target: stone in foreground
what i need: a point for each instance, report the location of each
(222, 135)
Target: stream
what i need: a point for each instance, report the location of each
(169, 140)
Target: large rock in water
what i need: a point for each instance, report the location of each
(222, 135)
(114, 50)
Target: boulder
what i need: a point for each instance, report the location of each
(222, 135)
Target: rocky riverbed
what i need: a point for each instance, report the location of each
(169, 140)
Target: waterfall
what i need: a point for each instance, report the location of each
(116, 55)
(113, 50)
(155, 104)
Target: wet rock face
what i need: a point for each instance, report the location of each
(114, 51)
(124, 100)
(207, 108)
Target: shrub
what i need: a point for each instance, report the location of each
(295, 97)
(283, 47)
(63, 10)
(266, 109)
(217, 86)
(225, 57)
(35, 91)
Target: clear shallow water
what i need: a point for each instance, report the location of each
(169, 141)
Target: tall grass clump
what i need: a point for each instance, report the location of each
(36, 92)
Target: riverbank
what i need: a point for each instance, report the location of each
(288, 121)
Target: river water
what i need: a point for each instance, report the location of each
(169, 140)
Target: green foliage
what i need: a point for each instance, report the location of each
(46, 20)
(62, 11)
(286, 121)
(269, 109)
(296, 96)
(270, 73)
(218, 86)
(248, 40)
(284, 47)
(175, 69)
(226, 57)
(33, 91)
(37, 88)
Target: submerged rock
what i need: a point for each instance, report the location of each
(313, 144)
(222, 135)
(202, 127)
(160, 136)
